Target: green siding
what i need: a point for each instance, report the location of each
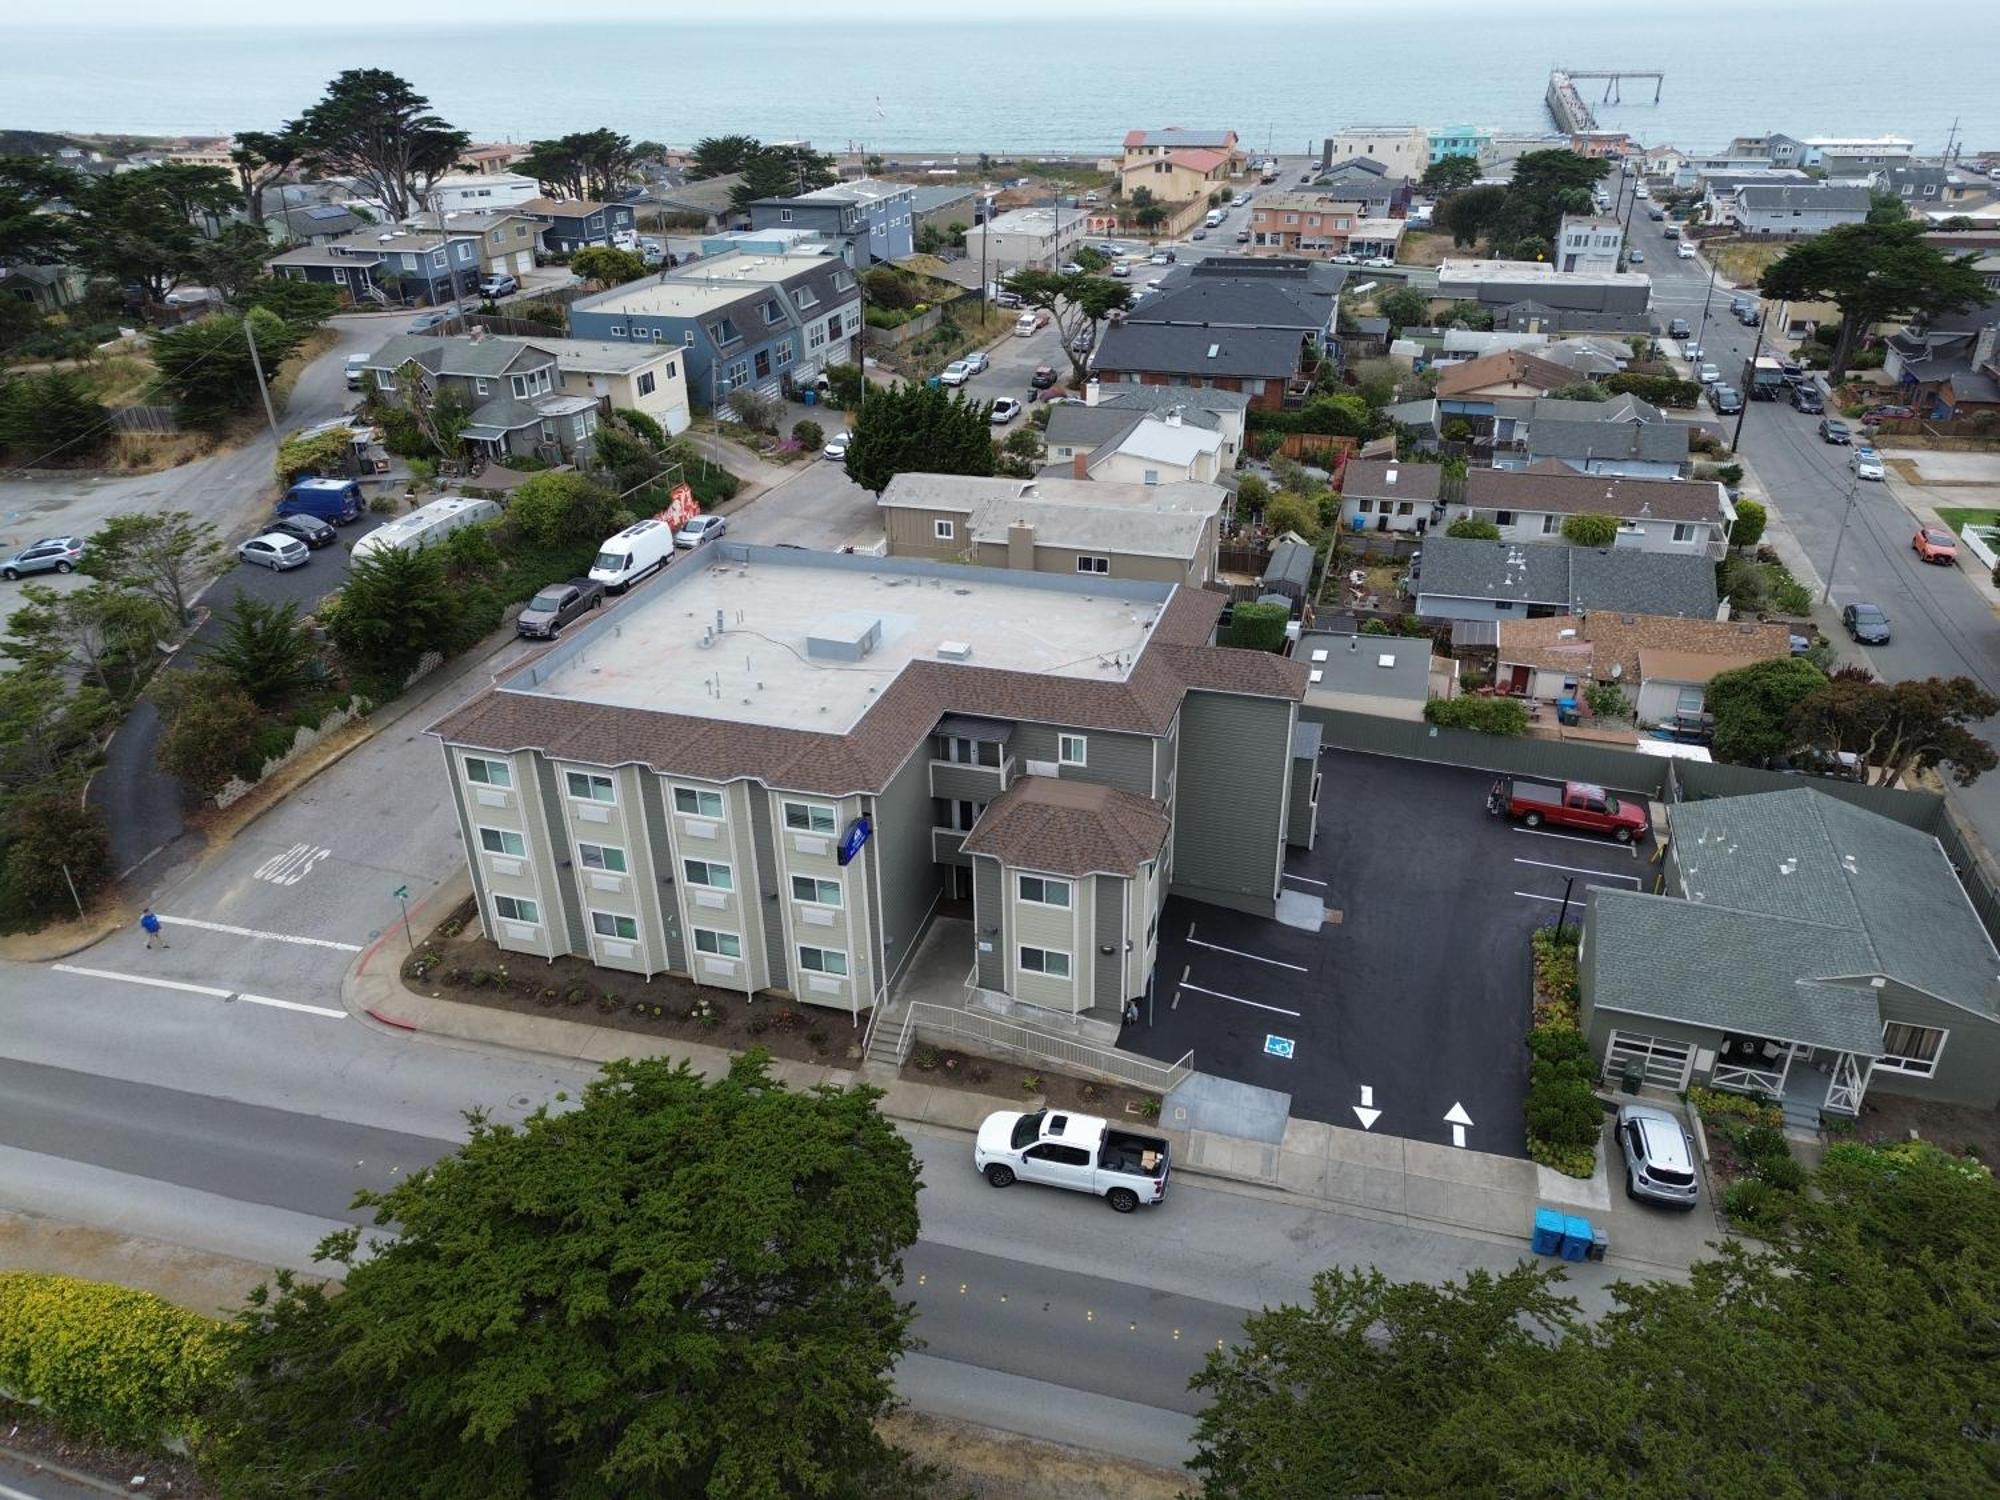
(958, 783)
(467, 837)
(905, 880)
(771, 899)
(652, 800)
(1121, 760)
(1299, 825)
(1107, 978)
(1968, 1070)
(1235, 769)
(560, 849)
(989, 922)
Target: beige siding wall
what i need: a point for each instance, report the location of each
(514, 811)
(719, 840)
(666, 403)
(1048, 927)
(913, 533)
(840, 926)
(1127, 468)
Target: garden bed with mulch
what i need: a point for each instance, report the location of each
(456, 962)
(945, 1067)
(1888, 1118)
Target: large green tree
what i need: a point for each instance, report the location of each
(261, 158)
(607, 265)
(586, 163)
(1898, 728)
(33, 191)
(145, 228)
(1873, 272)
(304, 305)
(1545, 186)
(1472, 215)
(719, 155)
(1450, 174)
(167, 555)
(1753, 705)
(103, 631)
(205, 366)
(372, 126)
(232, 261)
(1079, 301)
(674, 1288)
(264, 650)
(1405, 307)
(782, 172)
(53, 417)
(917, 428)
(394, 606)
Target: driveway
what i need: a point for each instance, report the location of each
(1403, 1013)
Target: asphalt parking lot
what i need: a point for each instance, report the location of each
(1406, 1010)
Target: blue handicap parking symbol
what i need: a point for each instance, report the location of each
(1278, 1046)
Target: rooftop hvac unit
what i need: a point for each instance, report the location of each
(954, 651)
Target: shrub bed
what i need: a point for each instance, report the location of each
(1502, 716)
(1564, 1118)
(1750, 1159)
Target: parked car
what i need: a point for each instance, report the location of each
(335, 500)
(1888, 413)
(1083, 1153)
(1935, 546)
(1572, 804)
(1807, 400)
(1005, 298)
(1380, 262)
(1344, 259)
(1833, 430)
(1678, 329)
(1161, 258)
(1199, 234)
(498, 285)
(356, 364)
(55, 554)
(836, 446)
(556, 605)
(1749, 317)
(276, 551)
(955, 373)
(1693, 354)
(1081, 344)
(1709, 375)
(1121, 271)
(1659, 1156)
(1684, 250)
(1656, 213)
(1005, 410)
(1865, 462)
(1071, 268)
(1726, 400)
(311, 530)
(1638, 256)
(1242, 236)
(637, 552)
(424, 322)
(700, 529)
(976, 361)
(1866, 624)
(1043, 378)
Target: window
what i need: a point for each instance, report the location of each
(479, 387)
(773, 313)
(687, 339)
(816, 336)
(1045, 961)
(709, 873)
(672, 368)
(823, 961)
(783, 353)
(607, 857)
(340, 275)
(437, 259)
(1551, 525)
(1150, 476)
(696, 803)
(1093, 565)
(1043, 891)
(810, 817)
(944, 531)
(833, 326)
(817, 892)
(503, 841)
(1684, 533)
(489, 772)
(1070, 749)
(784, 216)
(1911, 1049)
(763, 364)
(961, 751)
(611, 925)
(720, 944)
(586, 787)
(647, 384)
(517, 909)
(805, 297)
(737, 374)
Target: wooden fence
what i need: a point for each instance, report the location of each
(144, 419)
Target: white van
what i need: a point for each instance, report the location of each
(637, 552)
(1025, 325)
(425, 525)
(1215, 218)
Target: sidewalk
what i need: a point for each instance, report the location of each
(1380, 1177)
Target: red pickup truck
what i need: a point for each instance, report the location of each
(1574, 804)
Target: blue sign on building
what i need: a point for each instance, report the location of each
(1278, 1046)
(852, 840)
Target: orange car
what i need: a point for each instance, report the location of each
(1935, 546)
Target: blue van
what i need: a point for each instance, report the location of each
(335, 500)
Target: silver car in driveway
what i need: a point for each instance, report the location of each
(1659, 1156)
(54, 554)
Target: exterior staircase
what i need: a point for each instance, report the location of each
(1801, 1117)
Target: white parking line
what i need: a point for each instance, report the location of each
(1576, 901)
(1253, 1004)
(258, 932)
(1306, 880)
(310, 1010)
(1577, 870)
(164, 984)
(1574, 838)
(1276, 963)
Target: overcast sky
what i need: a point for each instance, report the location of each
(442, 14)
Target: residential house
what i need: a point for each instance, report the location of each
(1798, 211)
(1473, 580)
(1470, 389)
(1532, 296)
(1663, 664)
(1166, 449)
(1389, 676)
(1187, 175)
(1929, 187)
(1950, 367)
(870, 219)
(505, 238)
(939, 206)
(479, 192)
(1368, 185)
(1460, 140)
(513, 389)
(312, 223)
(769, 242)
(1108, 412)
(201, 151)
(1162, 532)
(1779, 150)
(1696, 168)
(1687, 516)
(1304, 223)
(1143, 145)
(772, 323)
(646, 378)
(391, 263)
(1800, 948)
(492, 158)
(1589, 243)
(1592, 356)
(1857, 156)
(1390, 495)
(1031, 239)
(1063, 752)
(572, 224)
(1630, 450)
(1667, 161)
(1719, 190)
(708, 200)
(1236, 323)
(1402, 150)
(1456, 346)
(47, 289)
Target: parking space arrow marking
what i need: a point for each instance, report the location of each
(1458, 1119)
(1368, 1117)
(1367, 1094)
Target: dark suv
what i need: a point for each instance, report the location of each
(1807, 400)
(556, 605)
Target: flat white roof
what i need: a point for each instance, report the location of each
(1533, 270)
(702, 287)
(761, 670)
(607, 355)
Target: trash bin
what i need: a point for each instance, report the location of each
(1631, 1077)
(1600, 1241)
(809, 396)
(1576, 1239)
(1548, 1236)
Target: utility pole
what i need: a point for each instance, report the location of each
(1853, 484)
(257, 364)
(1736, 439)
(985, 286)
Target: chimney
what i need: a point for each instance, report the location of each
(1080, 466)
(1986, 348)
(1174, 416)
(1090, 392)
(1021, 547)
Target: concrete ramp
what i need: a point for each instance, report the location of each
(1220, 1106)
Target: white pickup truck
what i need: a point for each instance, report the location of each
(1079, 1152)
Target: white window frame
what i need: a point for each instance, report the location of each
(725, 944)
(501, 835)
(603, 865)
(817, 888)
(614, 917)
(944, 531)
(824, 954)
(1047, 886)
(701, 796)
(709, 869)
(1072, 750)
(533, 917)
(479, 771)
(811, 819)
(647, 383)
(589, 794)
(1088, 563)
(1912, 1066)
(1046, 954)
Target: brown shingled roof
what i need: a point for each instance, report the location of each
(1509, 367)
(864, 760)
(1070, 828)
(1588, 645)
(1553, 485)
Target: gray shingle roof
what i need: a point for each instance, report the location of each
(468, 358)
(1369, 479)
(1074, 425)
(1655, 442)
(1352, 665)
(1256, 353)
(1527, 573)
(1158, 398)
(1552, 486)
(1808, 195)
(1624, 407)
(1642, 583)
(1070, 828)
(1241, 303)
(1553, 574)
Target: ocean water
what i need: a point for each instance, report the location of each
(1279, 72)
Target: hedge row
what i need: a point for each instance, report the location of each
(107, 1361)
(1564, 1119)
(1502, 716)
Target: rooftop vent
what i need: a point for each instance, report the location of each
(1385, 660)
(844, 637)
(954, 651)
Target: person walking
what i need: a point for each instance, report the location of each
(154, 937)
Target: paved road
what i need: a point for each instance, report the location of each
(23, 1479)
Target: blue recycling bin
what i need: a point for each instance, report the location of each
(1548, 1236)
(809, 396)
(1577, 1239)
